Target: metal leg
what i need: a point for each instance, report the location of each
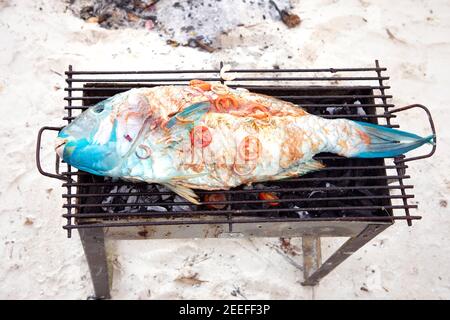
(311, 255)
(94, 248)
(313, 276)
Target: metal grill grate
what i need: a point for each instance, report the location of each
(346, 190)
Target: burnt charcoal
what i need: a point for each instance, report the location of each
(326, 214)
(303, 214)
(113, 14)
(368, 201)
(183, 206)
(164, 197)
(250, 198)
(119, 200)
(149, 197)
(87, 12)
(357, 213)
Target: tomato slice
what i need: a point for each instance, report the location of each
(200, 136)
(259, 111)
(224, 103)
(200, 84)
(250, 148)
(269, 196)
(215, 197)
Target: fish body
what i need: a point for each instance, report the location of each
(211, 137)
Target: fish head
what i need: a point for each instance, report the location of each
(89, 142)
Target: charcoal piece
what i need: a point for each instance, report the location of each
(164, 197)
(119, 200)
(251, 196)
(86, 12)
(325, 214)
(358, 213)
(302, 213)
(182, 207)
(157, 208)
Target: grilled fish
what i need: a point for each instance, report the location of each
(211, 137)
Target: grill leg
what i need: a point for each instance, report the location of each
(314, 275)
(94, 248)
(311, 255)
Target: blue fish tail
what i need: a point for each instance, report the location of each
(388, 142)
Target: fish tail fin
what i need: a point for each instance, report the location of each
(382, 142)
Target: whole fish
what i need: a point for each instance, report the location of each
(211, 137)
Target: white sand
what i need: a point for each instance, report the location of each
(38, 261)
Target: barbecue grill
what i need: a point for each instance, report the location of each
(356, 198)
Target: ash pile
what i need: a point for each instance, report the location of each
(187, 23)
(115, 14)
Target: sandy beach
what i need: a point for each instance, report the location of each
(39, 39)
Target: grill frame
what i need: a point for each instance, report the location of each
(360, 229)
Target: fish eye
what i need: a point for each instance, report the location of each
(98, 109)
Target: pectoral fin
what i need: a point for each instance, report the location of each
(299, 170)
(309, 166)
(184, 192)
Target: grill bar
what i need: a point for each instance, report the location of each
(69, 189)
(86, 80)
(336, 157)
(201, 192)
(324, 169)
(331, 70)
(400, 187)
(400, 181)
(325, 116)
(306, 105)
(222, 212)
(122, 87)
(118, 194)
(90, 205)
(293, 179)
(355, 96)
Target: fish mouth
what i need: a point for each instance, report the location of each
(59, 146)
